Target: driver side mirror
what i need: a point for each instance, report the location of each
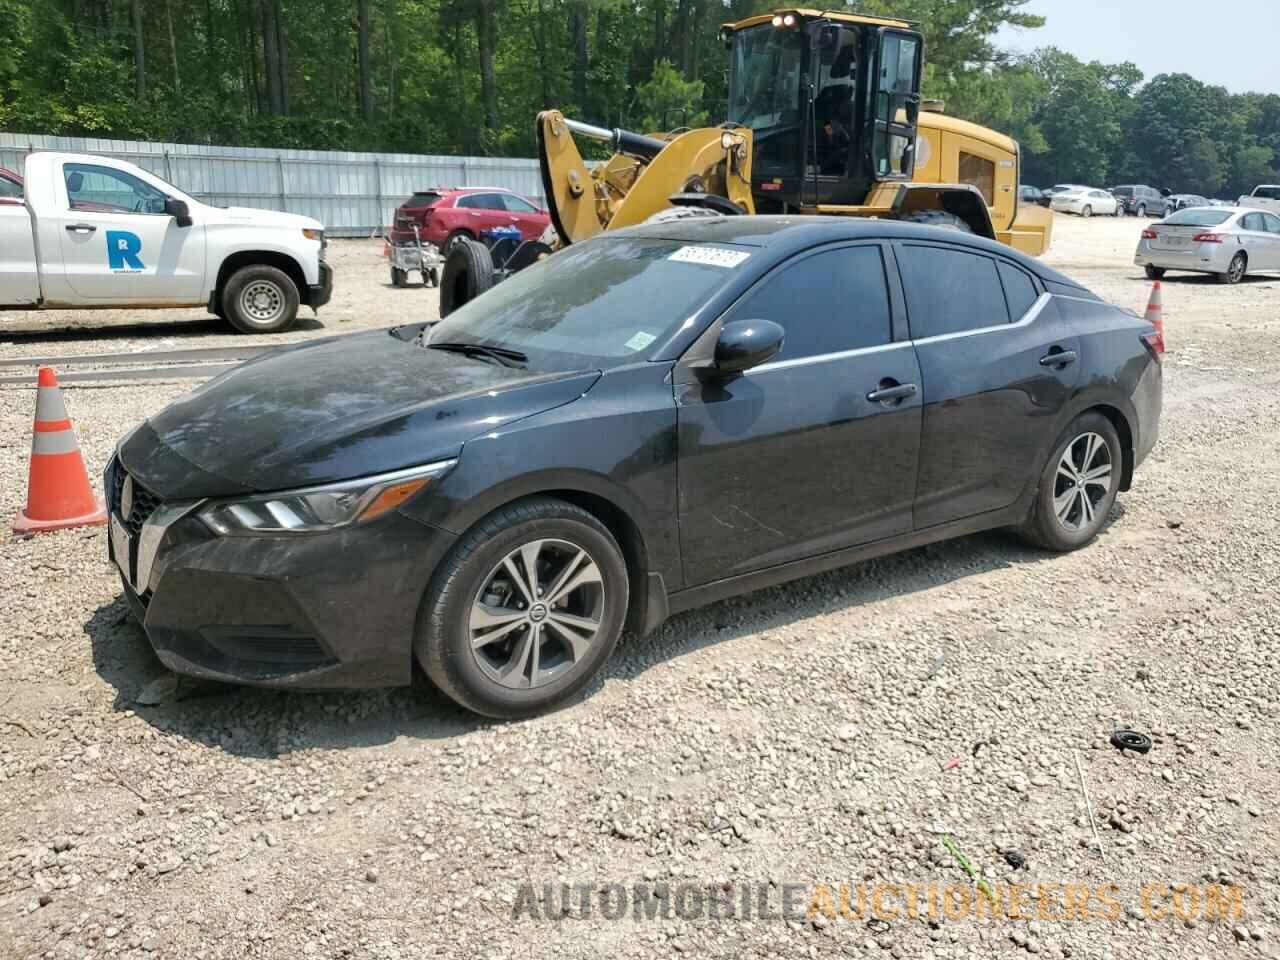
(178, 210)
(744, 344)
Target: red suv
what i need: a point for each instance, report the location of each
(10, 187)
(443, 214)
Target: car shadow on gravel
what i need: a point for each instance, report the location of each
(259, 723)
(867, 582)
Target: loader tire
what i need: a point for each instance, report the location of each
(937, 218)
(468, 272)
(682, 213)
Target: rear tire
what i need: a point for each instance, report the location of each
(937, 218)
(478, 592)
(1236, 271)
(452, 240)
(468, 272)
(1087, 212)
(397, 277)
(1154, 273)
(1078, 486)
(260, 299)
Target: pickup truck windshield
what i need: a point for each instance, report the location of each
(596, 304)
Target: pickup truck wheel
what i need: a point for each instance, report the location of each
(260, 299)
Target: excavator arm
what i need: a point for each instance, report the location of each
(642, 176)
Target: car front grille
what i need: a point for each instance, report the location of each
(144, 501)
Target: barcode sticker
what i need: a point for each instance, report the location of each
(710, 256)
(640, 341)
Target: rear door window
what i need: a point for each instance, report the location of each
(1253, 221)
(827, 302)
(482, 201)
(950, 291)
(1019, 290)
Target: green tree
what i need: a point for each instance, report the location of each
(668, 100)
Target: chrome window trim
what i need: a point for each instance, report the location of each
(827, 357)
(1026, 320)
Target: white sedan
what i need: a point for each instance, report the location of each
(1086, 201)
(1229, 242)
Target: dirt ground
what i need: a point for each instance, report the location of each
(880, 726)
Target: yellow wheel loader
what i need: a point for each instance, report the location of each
(825, 117)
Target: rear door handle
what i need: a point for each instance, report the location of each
(81, 228)
(1063, 358)
(892, 394)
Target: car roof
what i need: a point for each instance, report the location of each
(788, 234)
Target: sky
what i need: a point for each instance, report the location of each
(1235, 45)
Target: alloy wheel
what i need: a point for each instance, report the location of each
(1237, 268)
(537, 613)
(262, 302)
(1083, 481)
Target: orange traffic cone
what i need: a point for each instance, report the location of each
(58, 491)
(386, 248)
(1155, 316)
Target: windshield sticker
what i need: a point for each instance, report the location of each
(640, 341)
(710, 256)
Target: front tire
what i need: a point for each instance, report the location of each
(525, 609)
(397, 277)
(260, 299)
(1154, 273)
(1237, 270)
(1078, 486)
(1142, 209)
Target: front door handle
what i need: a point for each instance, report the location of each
(1062, 358)
(891, 392)
(81, 228)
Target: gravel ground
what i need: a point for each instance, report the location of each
(805, 734)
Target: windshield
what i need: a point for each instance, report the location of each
(764, 81)
(1199, 218)
(597, 304)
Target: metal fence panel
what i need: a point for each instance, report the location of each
(352, 194)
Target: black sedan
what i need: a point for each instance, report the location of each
(654, 419)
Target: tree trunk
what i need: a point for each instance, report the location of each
(139, 56)
(282, 56)
(392, 56)
(487, 34)
(362, 55)
(173, 44)
(578, 37)
(659, 37)
(540, 39)
(210, 47)
(682, 37)
(271, 56)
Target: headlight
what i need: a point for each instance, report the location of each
(313, 234)
(314, 509)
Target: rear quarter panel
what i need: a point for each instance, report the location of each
(1116, 369)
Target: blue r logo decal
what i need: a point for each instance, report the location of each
(123, 248)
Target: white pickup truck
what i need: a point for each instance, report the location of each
(1265, 197)
(92, 232)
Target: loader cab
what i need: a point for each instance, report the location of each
(832, 102)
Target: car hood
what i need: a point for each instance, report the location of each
(257, 217)
(332, 410)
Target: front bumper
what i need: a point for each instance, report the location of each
(330, 610)
(318, 294)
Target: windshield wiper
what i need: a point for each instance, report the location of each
(508, 358)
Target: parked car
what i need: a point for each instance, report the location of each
(1142, 201)
(1229, 243)
(1058, 188)
(111, 234)
(1034, 195)
(1265, 197)
(653, 419)
(1184, 201)
(10, 187)
(445, 214)
(1085, 201)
